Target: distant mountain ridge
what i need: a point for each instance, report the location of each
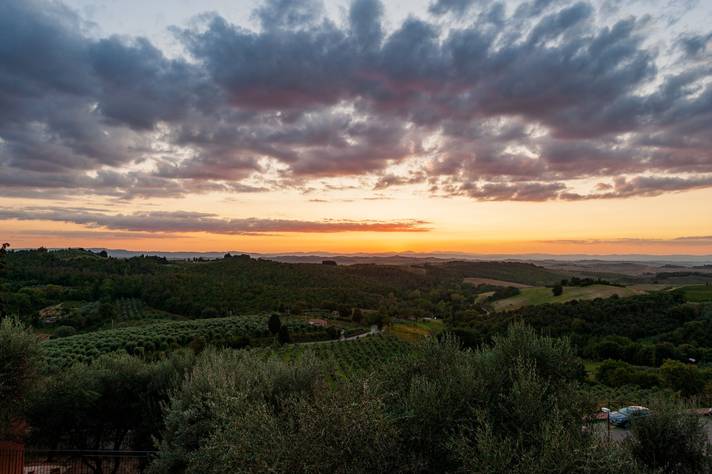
(409, 257)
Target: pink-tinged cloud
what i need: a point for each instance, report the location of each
(506, 103)
(187, 222)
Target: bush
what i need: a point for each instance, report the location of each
(670, 440)
(64, 331)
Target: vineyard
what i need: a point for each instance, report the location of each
(349, 357)
(129, 308)
(161, 337)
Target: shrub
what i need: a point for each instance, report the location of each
(64, 331)
(670, 440)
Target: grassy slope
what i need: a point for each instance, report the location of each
(413, 331)
(698, 293)
(493, 282)
(541, 295)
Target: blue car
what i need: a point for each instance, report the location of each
(624, 416)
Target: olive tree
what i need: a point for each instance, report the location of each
(20, 360)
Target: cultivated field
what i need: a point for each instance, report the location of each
(542, 295)
(349, 357)
(493, 282)
(698, 293)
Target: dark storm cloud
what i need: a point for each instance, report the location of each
(179, 221)
(506, 103)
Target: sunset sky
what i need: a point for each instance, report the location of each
(542, 126)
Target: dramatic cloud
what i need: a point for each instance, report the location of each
(178, 222)
(485, 99)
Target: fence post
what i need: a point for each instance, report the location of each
(12, 457)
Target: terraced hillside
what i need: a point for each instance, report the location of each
(161, 337)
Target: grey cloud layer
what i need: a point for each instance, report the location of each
(180, 221)
(507, 104)
(687, 241)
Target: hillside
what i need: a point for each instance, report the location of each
(241, 284)
(517, 272)
(543, 295)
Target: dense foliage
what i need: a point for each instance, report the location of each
(422, 412)
(671, 441)
(19, 367)
(515, 406)
(112, 403)
(640, 338)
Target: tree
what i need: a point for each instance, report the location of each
(239, 412)
(113, 403)
(283, 335)
(685, 378)
(274, 323)
(378, 318)
(3, 254)
(357, 315)
(20, 360)
(106, 311)
(557, 290)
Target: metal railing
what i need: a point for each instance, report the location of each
(11, 457)
(86, 462)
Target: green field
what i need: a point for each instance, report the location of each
(591, 367)
(542, 295)
(697, 293)
(412, 331)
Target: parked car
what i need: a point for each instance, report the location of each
(624, 416)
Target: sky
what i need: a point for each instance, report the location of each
(482, 126)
